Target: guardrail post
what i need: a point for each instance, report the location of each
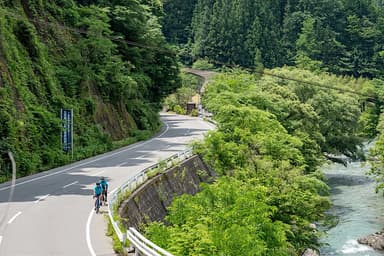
(124, 237)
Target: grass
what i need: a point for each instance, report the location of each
(118, 247)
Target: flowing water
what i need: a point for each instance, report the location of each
(359, 209)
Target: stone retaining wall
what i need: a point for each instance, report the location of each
(149, 202)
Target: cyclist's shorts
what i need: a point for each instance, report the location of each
(97, 195)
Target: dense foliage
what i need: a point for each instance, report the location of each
(341, 36)
(377, 151)
(77, 55)
(189, 89)
(270, 139)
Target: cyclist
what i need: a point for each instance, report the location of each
(104, 186)
(97, 190)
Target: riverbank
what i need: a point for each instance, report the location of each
(359, 210)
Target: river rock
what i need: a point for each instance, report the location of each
(310, 252)
(376, 240)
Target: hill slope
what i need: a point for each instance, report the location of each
(65, 54)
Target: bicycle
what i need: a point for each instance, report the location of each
(97, 204)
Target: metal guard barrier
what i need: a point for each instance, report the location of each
(137, 240)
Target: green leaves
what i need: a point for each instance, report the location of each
(212, 222)
(231, 117)
(270, 140)
(271, 136)
(76, 55)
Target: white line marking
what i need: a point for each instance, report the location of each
(88, 233)
(123, 163)
(88, 236)
(98, 173)
(70, 184)
(41, 198)
(209, 124)
(85, 163)
(14, 217)
(88, 226)
(1, 239)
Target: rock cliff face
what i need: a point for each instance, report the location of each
(150, 201)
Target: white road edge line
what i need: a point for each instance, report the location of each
(41, 198)
(88, 236)
(88, 233)
(70, 184)
(123, 163)
(85, 163)
(209, 124)
(98, 173)
(14, 217)
(88, 226)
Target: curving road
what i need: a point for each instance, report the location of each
(51, 212)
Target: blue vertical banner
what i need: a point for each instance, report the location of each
(66, 134)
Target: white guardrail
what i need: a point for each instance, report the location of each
(142, 245)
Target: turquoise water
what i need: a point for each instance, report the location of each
(359, 209)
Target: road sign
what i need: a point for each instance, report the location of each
(67, 132)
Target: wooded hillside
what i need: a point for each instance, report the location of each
(341, 36)
(107, 61)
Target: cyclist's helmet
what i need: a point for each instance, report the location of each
(97, 183)
(102, 178)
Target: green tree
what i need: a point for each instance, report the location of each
(307, 49)
(178, 19)
(359, 59)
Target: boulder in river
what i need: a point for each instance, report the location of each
(376, 240)
(310, 252)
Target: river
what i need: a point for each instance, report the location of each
(359, 209)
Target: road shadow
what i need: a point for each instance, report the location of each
(132, 158)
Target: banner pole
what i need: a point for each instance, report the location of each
(62, 128)
(72, 132)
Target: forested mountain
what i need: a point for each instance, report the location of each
(341, 36)
(79, 55)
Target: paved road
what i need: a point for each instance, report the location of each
(51, 213)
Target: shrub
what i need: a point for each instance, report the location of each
(179, 110)
(203, 64)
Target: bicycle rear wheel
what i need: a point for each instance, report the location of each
(97, 205)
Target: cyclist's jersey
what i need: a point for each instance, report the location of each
(104, 184)
(98, 190)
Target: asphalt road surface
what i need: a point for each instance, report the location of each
(51, 213)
